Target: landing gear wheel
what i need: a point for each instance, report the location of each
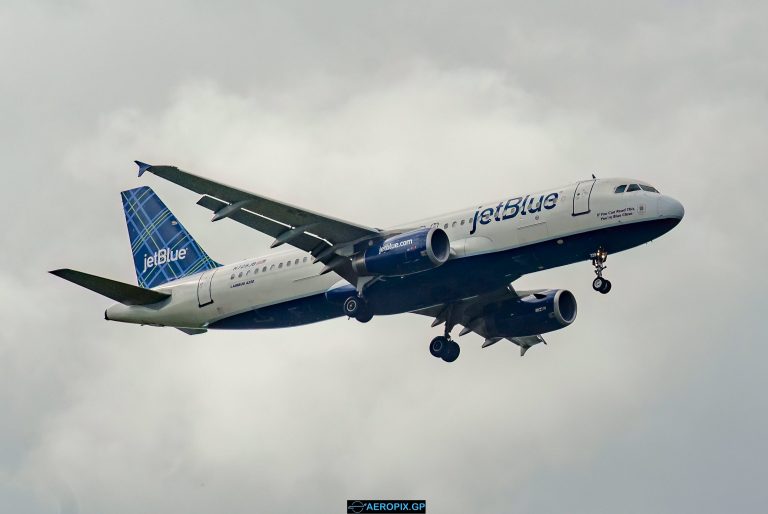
(364, 313)
(444, 348)
(437, 346)
(358, 308)
(451, 352)
(598, 284)
(351, 306)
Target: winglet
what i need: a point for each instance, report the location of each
(143, 166)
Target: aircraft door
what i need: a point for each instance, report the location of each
(204, 288)
(581, 197)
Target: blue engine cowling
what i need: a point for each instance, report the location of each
(534, 314)
(404, 254)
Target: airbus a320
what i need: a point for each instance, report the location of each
(457, 268)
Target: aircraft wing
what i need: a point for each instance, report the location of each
(471, 312)
(323, 236)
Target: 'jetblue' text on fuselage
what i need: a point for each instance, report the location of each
(513, 207)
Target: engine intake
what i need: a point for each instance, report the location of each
(404, 254)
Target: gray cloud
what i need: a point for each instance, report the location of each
(383, 113)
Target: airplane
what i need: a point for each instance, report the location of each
(457, 268)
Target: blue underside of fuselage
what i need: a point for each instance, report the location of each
(457, 278)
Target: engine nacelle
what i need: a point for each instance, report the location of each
(534, 314)
(404, 254)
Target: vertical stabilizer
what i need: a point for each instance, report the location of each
(162, 248)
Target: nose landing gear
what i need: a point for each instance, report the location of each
(600, 284)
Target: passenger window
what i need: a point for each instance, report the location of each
(633, 187)
(445, 226)
(620, 189)
(271, 267)
(650, 189)
(232, 277)
(453, 224)
(288, 263)
(239, 275)
(305, 259)
(462, 222)
(247, 273)
(297, 262)
(280, 266)
(264, 269)
(255, 271)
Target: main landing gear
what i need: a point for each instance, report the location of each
(444, 348)
(358, 308)
(600, 284)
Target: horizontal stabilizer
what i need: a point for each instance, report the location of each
(126, 294)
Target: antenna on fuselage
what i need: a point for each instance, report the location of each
(593, 176)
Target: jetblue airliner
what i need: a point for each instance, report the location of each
(457, 268)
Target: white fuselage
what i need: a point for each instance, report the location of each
(201, 299)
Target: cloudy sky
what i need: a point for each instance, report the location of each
(380, 112)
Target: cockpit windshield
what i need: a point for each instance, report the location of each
(628, 188)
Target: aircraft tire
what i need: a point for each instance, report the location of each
(598, 284)
(364, 313)
(606, 287)
(352, 306)
(451, 352)
(437, 346)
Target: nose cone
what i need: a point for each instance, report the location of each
(670, 208)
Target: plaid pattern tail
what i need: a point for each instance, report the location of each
(162, 248)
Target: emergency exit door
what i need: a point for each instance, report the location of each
(581, 197)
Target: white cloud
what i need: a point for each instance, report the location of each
(107, 417)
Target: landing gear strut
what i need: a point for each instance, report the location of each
(600, 284)
(358, 308)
